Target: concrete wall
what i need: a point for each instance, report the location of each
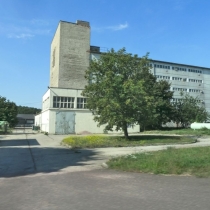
(55, 59)
(45, 121)
(46, 100)
(38, 120)
(71, 45)
(63, 92)
(83, 117)
(204, 87)
(84, 122)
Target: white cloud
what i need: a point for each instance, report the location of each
(39, 22)
(25, 29)
(20, 36)
(118, 27)
(113, 28)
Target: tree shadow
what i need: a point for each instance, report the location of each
(20, 161)
(19, 142)
(153, 137)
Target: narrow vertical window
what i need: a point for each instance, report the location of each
(53, 58)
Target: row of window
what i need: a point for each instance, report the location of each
(162, 66)
(177, 68)
(195, 90)
(185, 90)
(195, 80)
(69, 102)
(178, 79)
(180, 89)
(195, 70)
(180, 99)
(162, 77)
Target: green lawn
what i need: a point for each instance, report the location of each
(189, 131)
(97, 141)
(192, 161)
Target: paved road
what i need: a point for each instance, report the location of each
(32, 153)
(37, 173)
(104, 189)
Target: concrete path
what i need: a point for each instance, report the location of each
(32, 153)
(37, 173)
(104, 190)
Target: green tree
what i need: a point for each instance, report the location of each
(118, 91)
(8, 111)
(159, 110)
(188, 110)
(28, 110)
(162, 103)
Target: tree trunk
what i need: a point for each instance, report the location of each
(125, 130)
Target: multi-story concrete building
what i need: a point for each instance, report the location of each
(193, 80)
(63, 107)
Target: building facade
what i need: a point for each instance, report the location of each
(64, 108)
(193, 80)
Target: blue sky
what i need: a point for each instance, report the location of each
(170, 30)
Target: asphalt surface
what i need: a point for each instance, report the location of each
(37, 173)
(104, 189)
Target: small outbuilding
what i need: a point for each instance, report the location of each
(25, 120)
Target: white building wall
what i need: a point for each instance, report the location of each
(206, 89)
(168, 74)
(83, 117)
(38, 120)
(45, 121)
(46, 100)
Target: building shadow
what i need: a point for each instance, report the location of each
(18, 142)
(20, 161)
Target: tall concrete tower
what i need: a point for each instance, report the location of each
(70, 56)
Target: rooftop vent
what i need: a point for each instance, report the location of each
(94, 49)
(83, 23)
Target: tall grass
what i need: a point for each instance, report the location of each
(94, 141)
(194, 161)
(186, 131)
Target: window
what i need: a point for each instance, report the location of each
(195, 71)
(177, 78)
(81, 103)
(178, 68)
(162, 77)
(63, 102)
(161, 66)
(53, 58)
(195, 90)
(195, 80)
(180, 89)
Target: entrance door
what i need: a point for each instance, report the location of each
(65, 123)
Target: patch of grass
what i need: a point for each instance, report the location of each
(193, 161)
(187, 131)
(96, 141)
(8, 132)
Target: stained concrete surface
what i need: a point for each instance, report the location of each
(32, 153)
(104, 189)
(37, 173)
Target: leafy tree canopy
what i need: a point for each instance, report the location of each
(160, 110)
(8, 111)
(28, 110)
(120, 90)
(188, 110)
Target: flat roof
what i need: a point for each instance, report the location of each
(180, 64)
